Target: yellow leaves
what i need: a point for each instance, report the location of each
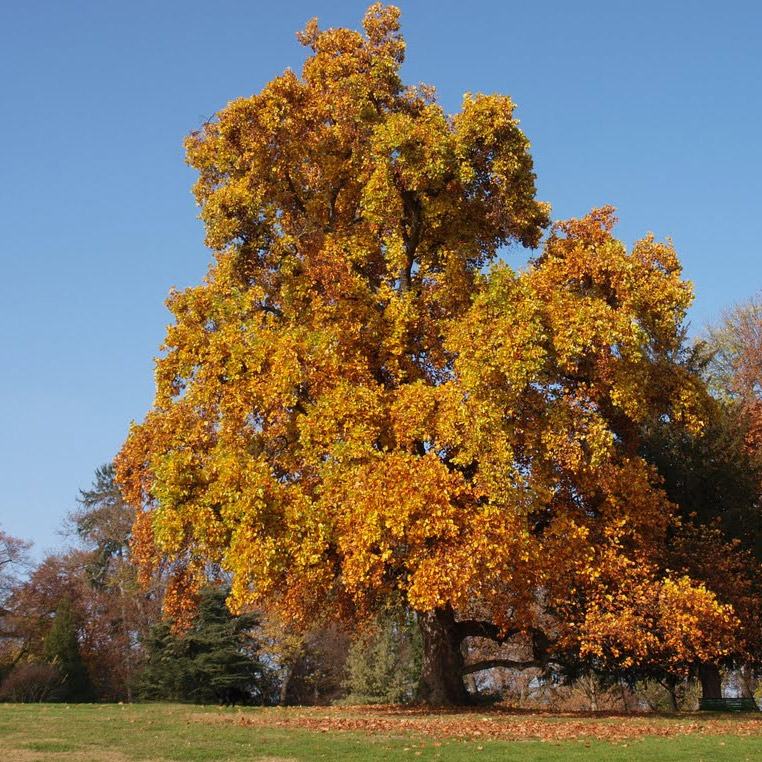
(413, 414)
(494, 163)
(346, 420)
(381, 24)
(499, 342)
(676, 621)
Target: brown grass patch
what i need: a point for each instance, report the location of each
(96, 755)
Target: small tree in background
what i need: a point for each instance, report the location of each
(384, 664)
(61, 650)
(214, 661)
(13, 559)
(120, 614)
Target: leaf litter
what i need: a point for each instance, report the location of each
(478, 726)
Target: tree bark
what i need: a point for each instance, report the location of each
(672, 692)
(283, 693)
(623, 694)
(711, 681)
(441, 682)
(747, 681)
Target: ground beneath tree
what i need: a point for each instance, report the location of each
(492, 724)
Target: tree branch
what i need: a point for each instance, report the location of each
(412, 237)
(332, 205)
(271, 309)
(509, 663)
(475, 628)
(299, 205)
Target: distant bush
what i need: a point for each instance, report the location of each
(31, 682)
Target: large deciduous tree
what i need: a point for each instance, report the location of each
(361, 403)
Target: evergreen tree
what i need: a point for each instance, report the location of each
(383, 665)
(61, 649)
(215, 661)
(103, 524)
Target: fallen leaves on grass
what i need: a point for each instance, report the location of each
(496, 725)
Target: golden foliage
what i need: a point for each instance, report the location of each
(351, 406)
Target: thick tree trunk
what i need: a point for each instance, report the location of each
(711, 681)
(441, 682)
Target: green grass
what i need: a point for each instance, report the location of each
(169, 733)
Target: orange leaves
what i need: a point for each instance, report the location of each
(642, 621)
(392, 512)
(413, 413)
(426, 727)
(616, 316)
(181, 595)
(143, 548)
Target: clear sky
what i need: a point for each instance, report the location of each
(651, 106)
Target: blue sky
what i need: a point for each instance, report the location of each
(651, 106)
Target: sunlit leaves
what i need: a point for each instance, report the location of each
(361, 402)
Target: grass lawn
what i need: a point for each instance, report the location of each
(163, 732)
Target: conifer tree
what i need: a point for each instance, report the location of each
(61, 649)
(214, 661)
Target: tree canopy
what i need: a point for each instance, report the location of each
(363, 403)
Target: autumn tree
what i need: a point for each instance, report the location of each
(60, 580)
(95, 575)
(14, 560)
(363, 403)
(119, 612)
(736, 343)
(718, 482)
